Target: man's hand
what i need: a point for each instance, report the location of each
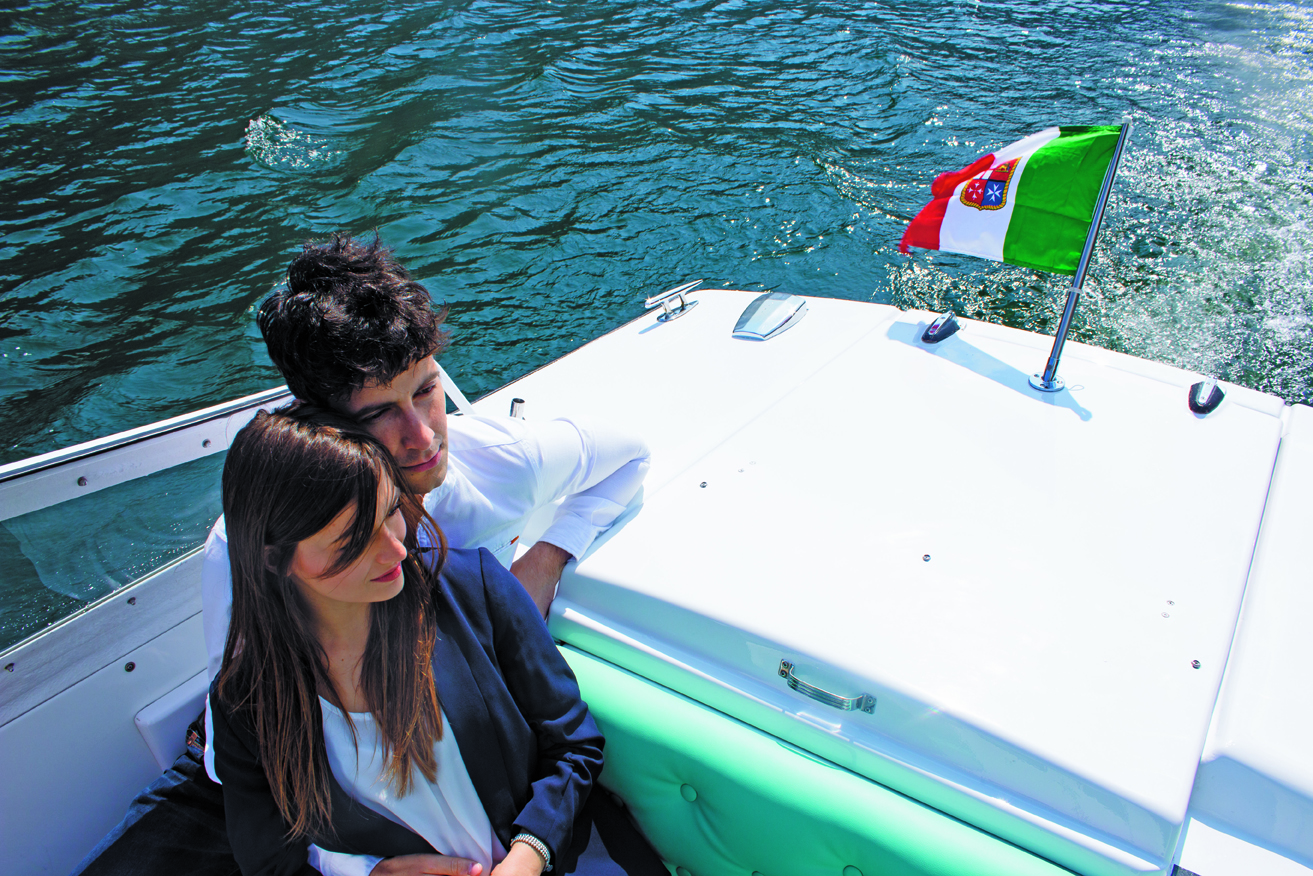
(539, 570)
(427, 865)
(521, 860)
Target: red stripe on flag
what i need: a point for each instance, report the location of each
(923, 231)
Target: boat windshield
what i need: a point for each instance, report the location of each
(57, 560)
(79, 525)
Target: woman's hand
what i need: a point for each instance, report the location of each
(521, 860)
(432, 865)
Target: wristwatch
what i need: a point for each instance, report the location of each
(537, 845)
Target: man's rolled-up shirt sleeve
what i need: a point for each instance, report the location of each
(595, 469)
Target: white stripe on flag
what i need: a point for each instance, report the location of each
(1027, 145)
(981, 233)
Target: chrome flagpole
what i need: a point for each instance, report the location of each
(1049, 380)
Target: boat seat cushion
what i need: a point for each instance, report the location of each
(717, 797)
(163, 723)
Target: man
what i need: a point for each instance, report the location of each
(352, 331)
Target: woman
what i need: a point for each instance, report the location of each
(370, 706)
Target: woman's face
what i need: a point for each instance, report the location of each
(375, 575)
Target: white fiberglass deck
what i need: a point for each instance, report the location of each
(1035, 675)
(1256, 778)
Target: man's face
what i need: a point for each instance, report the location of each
(409, 417)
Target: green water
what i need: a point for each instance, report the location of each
(544, 166)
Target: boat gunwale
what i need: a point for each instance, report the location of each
(55, 458)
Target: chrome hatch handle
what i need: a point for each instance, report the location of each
(861, 702)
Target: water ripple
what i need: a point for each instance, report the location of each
(160, 163)
(279, 146)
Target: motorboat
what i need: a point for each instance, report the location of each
(881, 607)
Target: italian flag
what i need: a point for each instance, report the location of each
(1028, 204)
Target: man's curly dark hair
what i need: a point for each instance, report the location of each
(349, 316)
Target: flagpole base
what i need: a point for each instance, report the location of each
(1056, 385)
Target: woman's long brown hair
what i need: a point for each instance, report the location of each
(287, 475)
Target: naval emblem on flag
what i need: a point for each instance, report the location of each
(990, 190)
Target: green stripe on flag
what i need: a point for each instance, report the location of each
(1056, 197)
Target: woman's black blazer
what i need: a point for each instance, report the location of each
(528, 742)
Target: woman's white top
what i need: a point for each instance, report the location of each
(446, 812)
